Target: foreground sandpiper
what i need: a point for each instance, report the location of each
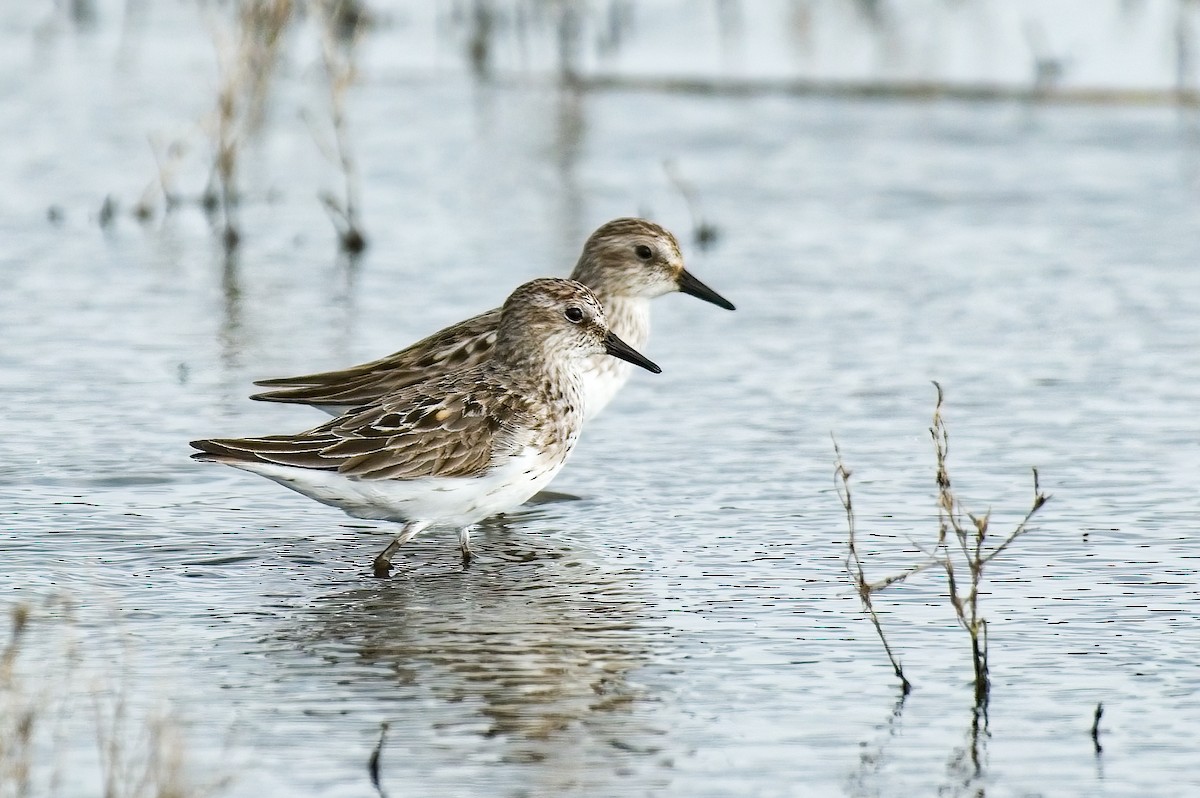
(456, 449)
(626, 262)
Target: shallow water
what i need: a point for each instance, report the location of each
(685, 627)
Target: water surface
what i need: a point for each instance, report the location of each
(686, 627)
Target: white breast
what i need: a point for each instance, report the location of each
(605, 375)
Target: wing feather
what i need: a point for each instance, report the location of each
(453, 426)
(461, 346)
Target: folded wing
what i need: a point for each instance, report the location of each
(464, 345)
(433, 429)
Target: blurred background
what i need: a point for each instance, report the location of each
(289, 112)
(1000, 195)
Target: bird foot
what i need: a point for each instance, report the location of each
(382, 567)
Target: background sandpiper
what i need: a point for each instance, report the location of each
(626, 263)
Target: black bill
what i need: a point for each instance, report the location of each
(688, 284)
(618, 348)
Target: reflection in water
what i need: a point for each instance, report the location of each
(230, 332)
(347, 268)
(731, 28)
(481, 22)
(570, 42)
(570, 125)
(967, 765)
(871, 777)
(569, 131)
(530, 649)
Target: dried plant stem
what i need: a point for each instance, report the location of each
(246, 59)
(854, 567)
(961, 543)
(704, 233)
(338, 47)
(971, 538)
(220, 194)
(225, 165)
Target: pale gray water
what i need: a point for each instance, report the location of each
(686, 628)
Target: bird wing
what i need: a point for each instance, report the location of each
(463, 345)
(451, 427)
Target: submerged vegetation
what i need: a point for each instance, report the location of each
(250, 39)
(962, 550)
(974, 550)
(248, 56)
(342, 23)
(964, 543)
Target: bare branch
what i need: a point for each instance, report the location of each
(865, 589)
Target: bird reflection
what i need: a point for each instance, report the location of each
(531, 648)
(231, 331)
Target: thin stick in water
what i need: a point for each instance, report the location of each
(855, 567)
(373, 763)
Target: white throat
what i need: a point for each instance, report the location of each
(604, 375)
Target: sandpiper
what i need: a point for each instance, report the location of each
(626, 262)
(456, 449)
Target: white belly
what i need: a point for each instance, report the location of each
(444, 501)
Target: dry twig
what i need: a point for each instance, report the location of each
(962, 542)
(854, 567)
(971, 539)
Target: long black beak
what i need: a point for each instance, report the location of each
(618, 348)
(688, 284)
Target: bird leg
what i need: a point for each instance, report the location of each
(383, 563)
(464, 545)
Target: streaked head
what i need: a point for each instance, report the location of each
(638, 258)
(556, 318)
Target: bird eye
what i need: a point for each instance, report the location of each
(574, 314)
(644, 252)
